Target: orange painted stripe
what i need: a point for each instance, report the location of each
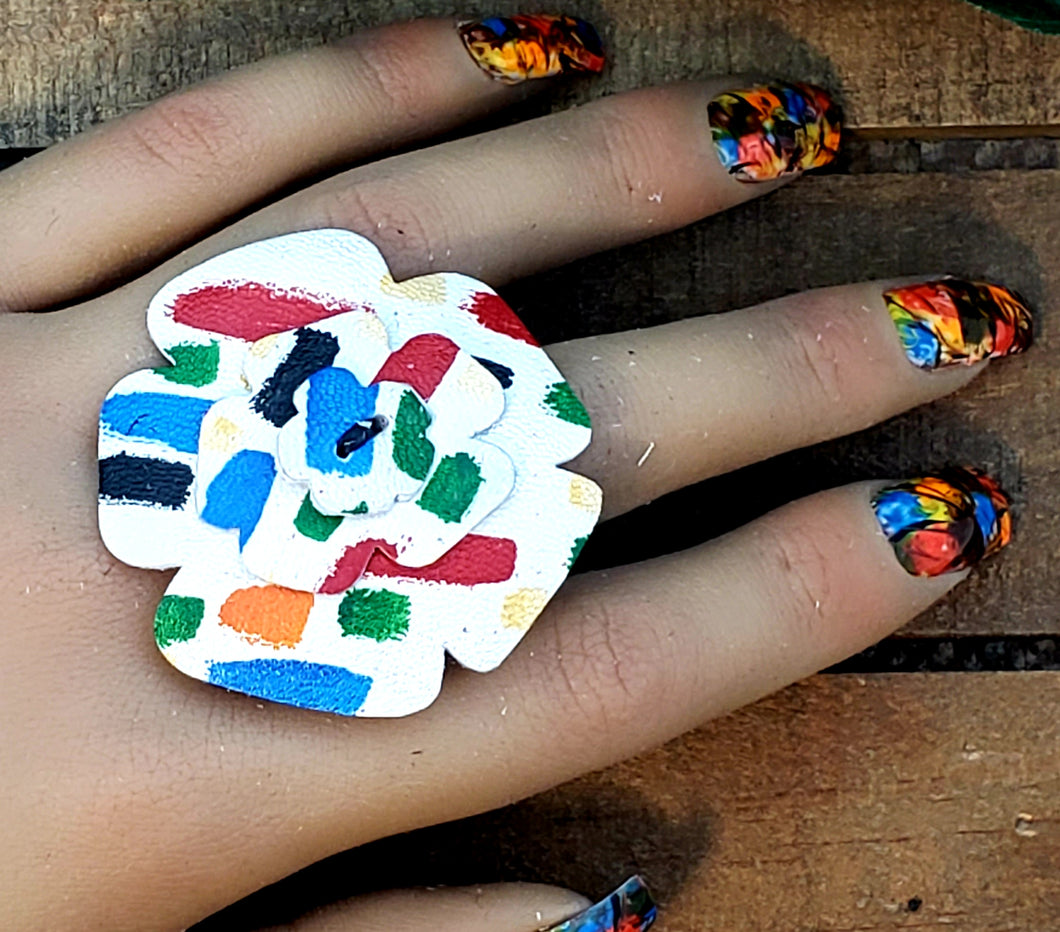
(272, 614)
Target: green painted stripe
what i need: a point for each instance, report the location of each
(452, 488)
(378, 614)
(311, 523)
(565, 404)
(193, 364)
(413, 452)
(178, 618)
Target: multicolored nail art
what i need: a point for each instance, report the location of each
(953, 321)
(775, 130)
(520, 48)
(946, 522)
(629, 909)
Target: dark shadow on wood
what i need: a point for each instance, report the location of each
(586, 836)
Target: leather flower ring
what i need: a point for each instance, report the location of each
(354, 475)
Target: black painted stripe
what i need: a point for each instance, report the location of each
(500, 372)
(124, 478)
(313, 350)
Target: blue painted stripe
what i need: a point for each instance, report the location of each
(172, 419)
(237, 495)
(336, 402)
(295, 682)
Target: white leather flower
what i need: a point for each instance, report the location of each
(354, 475)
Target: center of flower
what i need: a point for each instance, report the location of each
(360, 434)
(372, 448)
(360, 446)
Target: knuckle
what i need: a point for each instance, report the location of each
(385, 75)
(194, 131)
(796, 568)
(624, 156)
(404, 221)
(603, 667)
(813, 359)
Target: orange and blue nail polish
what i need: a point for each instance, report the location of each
(952, 321)
(629, 909)
(520, 48)
(774, 130)
(946, 522)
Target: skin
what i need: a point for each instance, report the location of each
(136, 792)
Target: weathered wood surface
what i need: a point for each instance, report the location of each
(833, 229)
(842, 804)
(897, 63)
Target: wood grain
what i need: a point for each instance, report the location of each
(896, 63)
(843, 804)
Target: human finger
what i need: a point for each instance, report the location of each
(513, 201)
(674, 404)
(627, 658)
(509, 907)
(107, 201)
(621, 661)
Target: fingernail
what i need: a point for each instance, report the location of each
(525, 46)
(954, 321)
(946, 522)
(629, 909)
(774, 130)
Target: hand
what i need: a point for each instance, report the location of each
(138, 797)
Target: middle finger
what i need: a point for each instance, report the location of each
(511, 202)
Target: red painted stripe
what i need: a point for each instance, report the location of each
(250, 311)
(493, 313)
(476, 559)
(350, 566)
(421, 363)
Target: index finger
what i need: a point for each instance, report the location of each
(106, 202)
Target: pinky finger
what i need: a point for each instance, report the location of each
(509, 907)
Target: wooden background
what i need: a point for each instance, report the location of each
(849, 802)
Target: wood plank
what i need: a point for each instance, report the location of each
(897, 63)
(842, 804)
(834, 229)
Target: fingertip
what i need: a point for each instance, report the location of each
(529, 46)
(552, 905)
(500, 907)
(950, 321)
(775, 131)
(944, 522)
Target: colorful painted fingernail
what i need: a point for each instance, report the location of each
(629, 909)
(946, 522)
(520, 48)
(774, 130)
(953, 321)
